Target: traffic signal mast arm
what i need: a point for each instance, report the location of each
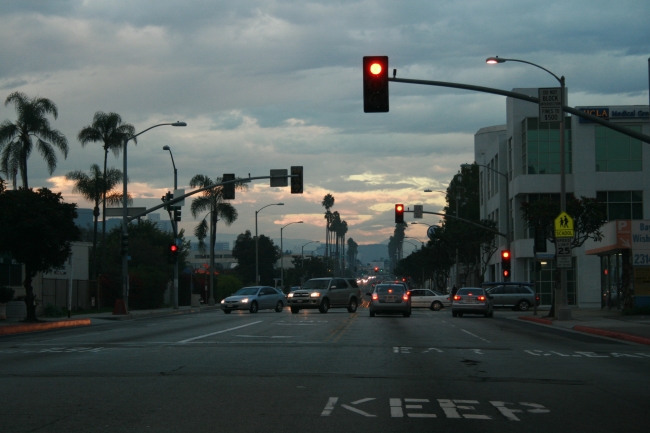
(598, 120)
(196, 191)
(464, 220)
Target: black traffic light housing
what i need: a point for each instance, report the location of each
(296, 182)
(399, 214)
(124, 244)
(375, 84)
(228, 191)
(172, 253)
(177, 213)
(505, 263)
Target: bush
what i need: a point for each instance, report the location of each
(6, 294)
(54, 311)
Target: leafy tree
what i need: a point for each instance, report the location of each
(244, 252)
(588, 215)
(36, 229)
(93, 188)
(149, 270)
(16, 138)
(310, 267)
(108, 129)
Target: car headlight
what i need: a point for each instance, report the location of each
(290, 295)
(314, 295)
(223, 300)
(244, 301)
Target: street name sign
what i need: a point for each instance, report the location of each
(550, 104)
(564, 226)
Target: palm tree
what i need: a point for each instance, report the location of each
(211, 200)
(17, 137)
(92, 187)
(110, 131)
(327, 203)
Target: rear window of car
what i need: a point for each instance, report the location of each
(384, 288)
(470, 291)
(524, 290)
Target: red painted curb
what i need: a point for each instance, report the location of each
(536, 319)
(612, 334)
(32, 327)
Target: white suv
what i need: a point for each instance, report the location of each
(325, 293)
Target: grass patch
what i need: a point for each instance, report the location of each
(636, 311)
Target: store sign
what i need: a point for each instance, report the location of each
(622, 112)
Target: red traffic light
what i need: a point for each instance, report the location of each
(375, 84)
(506, 273)
(173, 248)
(375, 68)
(505, 254)
(399, 214)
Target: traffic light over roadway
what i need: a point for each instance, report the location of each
(375, 84)
(399, 214)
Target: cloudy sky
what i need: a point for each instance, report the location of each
(267, 84)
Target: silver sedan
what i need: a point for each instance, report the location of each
(253, 299)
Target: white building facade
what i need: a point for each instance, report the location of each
(599, 163)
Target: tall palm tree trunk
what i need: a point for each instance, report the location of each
(104, 214)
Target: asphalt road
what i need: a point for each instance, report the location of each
(312, 372)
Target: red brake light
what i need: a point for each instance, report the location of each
(390, 290)
(405, 296)
(456, 298)
(374, 297)
(481, 298)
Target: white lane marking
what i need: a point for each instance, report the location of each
(363, 400)
(473, 335)
(360, 412)
(329, 407)
(220, 332)
(432, 348)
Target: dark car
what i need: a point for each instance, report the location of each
(472, 300)
(518, 296)
(390, 298)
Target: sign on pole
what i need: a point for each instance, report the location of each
(418, 209)
(564, 226)
(550, 104)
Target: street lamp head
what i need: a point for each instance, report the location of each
(494, 60)
(279, 204)
(427, 190)
(465, 165)
(179, 124)
(166, 148)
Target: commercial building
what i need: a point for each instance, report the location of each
(599, 162)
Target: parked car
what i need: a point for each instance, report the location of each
(472, 300)
(253, 299)
(390, 298)
(326, 293)
(518, 296)
(435, 301)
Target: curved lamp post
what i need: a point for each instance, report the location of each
(125, 232)
(257, 261)
(302, 254)
(282, 255)
(564, 313)
(174, 229)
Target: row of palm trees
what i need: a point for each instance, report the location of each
(335, 231)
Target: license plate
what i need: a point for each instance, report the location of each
(229, 305)
(300, 300)
(390, 298)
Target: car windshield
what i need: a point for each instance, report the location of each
(470, 291)
(316, 284)
(387, 288)
(247, 291)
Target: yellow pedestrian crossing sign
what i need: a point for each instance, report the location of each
(564, 226)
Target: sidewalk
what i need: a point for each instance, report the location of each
(14, 326)
(605, 323)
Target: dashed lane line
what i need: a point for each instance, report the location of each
(219, 332)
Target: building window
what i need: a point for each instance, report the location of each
(541, 146)
(544, 278)
(616, 151)
(622, 205)
(510, 160)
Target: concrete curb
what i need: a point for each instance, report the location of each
(612, 334)
(536, 320)
(33, 327)
(158, 313)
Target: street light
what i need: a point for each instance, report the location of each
(257, 272)
(564, 313)
(282, 255)
(507, 199)
(174, 230)
(125, 232)
(302, 253)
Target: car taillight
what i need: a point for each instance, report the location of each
(405, 296)
(374, 297)
(456, 298)
(481, 298)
